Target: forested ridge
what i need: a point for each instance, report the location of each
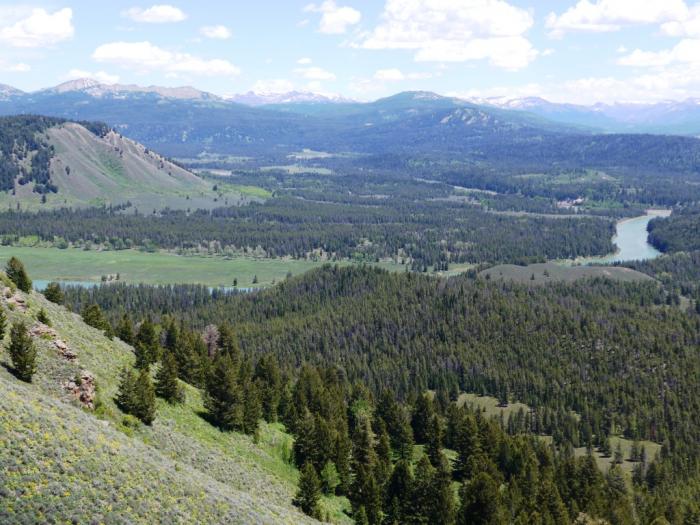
(426, 232)
(618, 355)
(679, 232)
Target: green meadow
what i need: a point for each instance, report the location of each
(133, 266)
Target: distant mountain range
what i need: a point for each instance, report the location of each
(185, 123)
(669, 116)
(665, 117)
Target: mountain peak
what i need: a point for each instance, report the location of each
(7, 92)
(97, 89)
(252, 98)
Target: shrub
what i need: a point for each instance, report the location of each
(43, 317)
(18, 275)
(54, 293)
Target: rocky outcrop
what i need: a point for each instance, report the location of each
(83, 389)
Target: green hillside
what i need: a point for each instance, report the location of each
(52, 163)
(60, 458)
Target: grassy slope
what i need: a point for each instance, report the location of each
(523, 274)
(59, 459)
(490, 407)
(113, 170)
(133, 266)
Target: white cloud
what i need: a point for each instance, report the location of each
(687, 51)
(144, 57)
(335, 19)
(275, 85)
(38, 28)
(390, 75)
(314, 73)
(216, 32)
(19, 67)
(689, 26)
(611, 15)
(100, 76)
(456, 31)
(156, 14)
(305, 61)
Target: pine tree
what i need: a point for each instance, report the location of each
(125, 394)
(167, 385)
(422, 415)
(22, 352)
(252, 408)
(442, 511)
(125, 329)
(481, 502)
(93, 316)
(137, 395)
(309, 493)
(329, 478)
(3, 324)
(223, 395)
(43, 317)
(434, 437)
(365, 491)
(16, 272)
(146, 344)
(144, 397)
(54, 293)
(397, 494)
(228, 342)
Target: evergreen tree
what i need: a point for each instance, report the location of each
(269, 380)
(3, 324)
(228, 342)
(125, 329)
(22, 352)
(421, 505)
(442, 511)
(223, 395)
(309, 493)
(144, 397)
(422, 415)
(397, 494)
(92, 315)
(43, 317)
(54, 293)
(434, 437)
(329, 478)
(481, 502)
(146, 344)
(16, 272)
(252, 408)
(365, 491)
(167, 385)
(126, 393)
(136, 395)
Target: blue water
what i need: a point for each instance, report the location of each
(631, 239)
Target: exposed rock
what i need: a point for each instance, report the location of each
(64, 350)
(83, 389)
(18, 302)
(40, 329)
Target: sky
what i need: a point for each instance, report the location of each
(578, 51)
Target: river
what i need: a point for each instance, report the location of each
(631, 239)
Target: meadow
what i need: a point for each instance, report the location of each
(133, 266)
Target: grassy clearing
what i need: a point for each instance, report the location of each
(59, 460)
(489, 406)
(551, 272)
(133, 266)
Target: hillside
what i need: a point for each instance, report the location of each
(64, 460)
(55, 163)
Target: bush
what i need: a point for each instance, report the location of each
(43, 317)
(54, 293)
(18, 275)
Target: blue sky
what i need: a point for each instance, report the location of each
(580, 51)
